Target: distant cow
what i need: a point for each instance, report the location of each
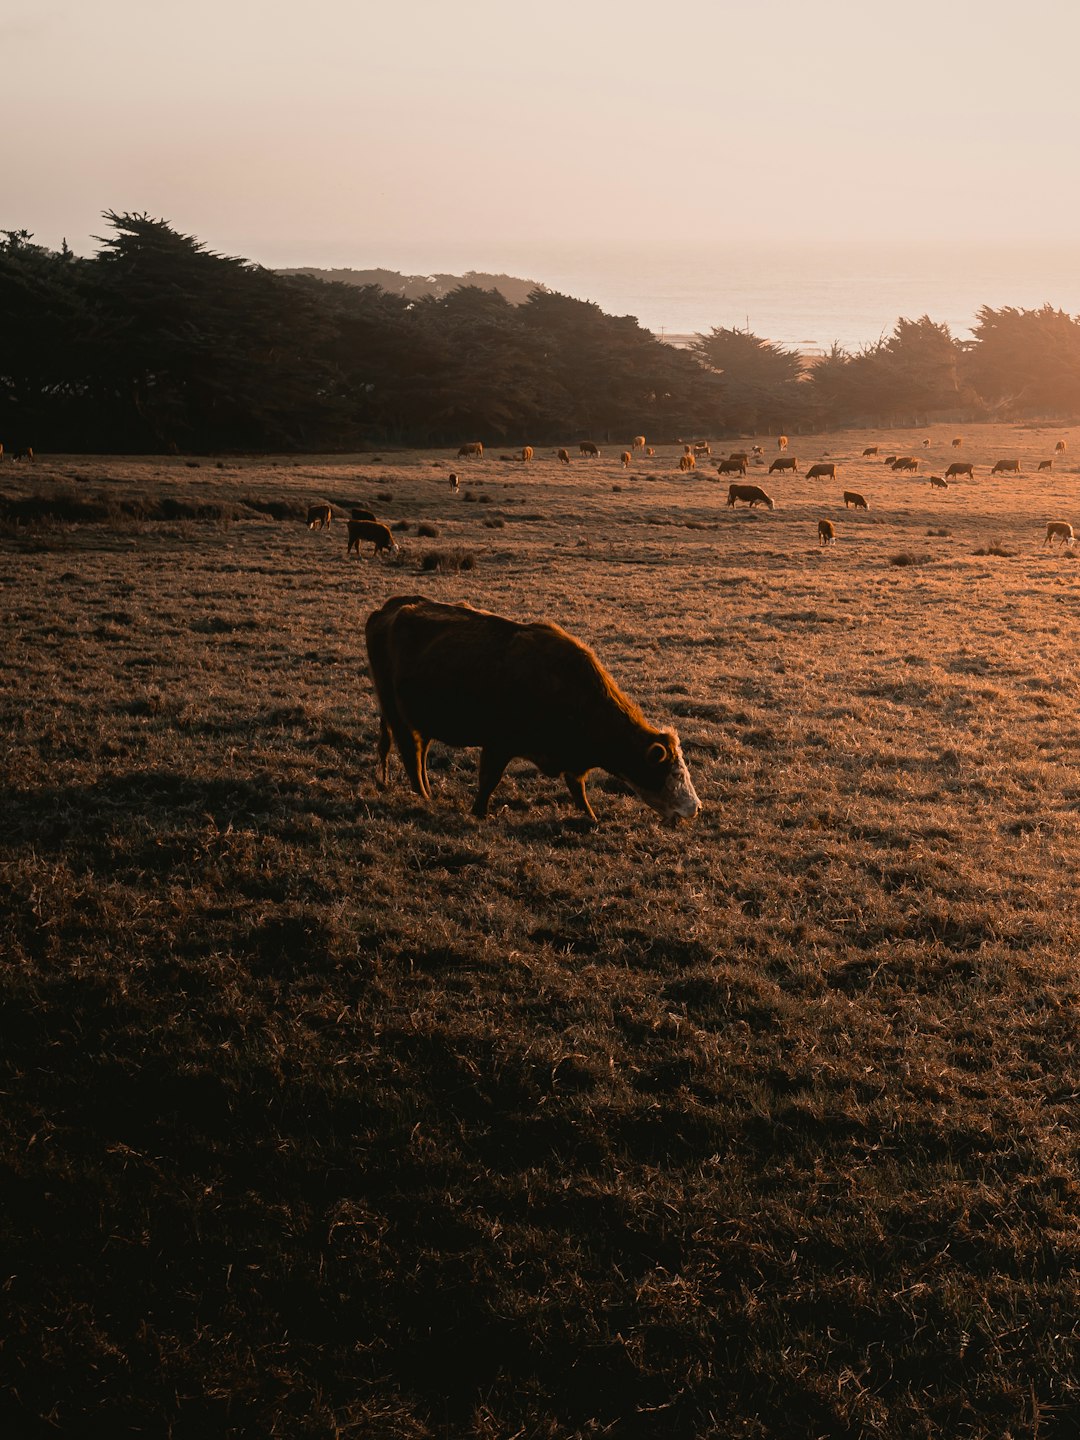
(25, 452)
(781, 442)
(757, 450)
(926, 444)
(957, 442)
(1058, 530)
(564, 456)
(739, 455)
(588, 448)
(319, 515)
(959, 467)
(686, 462)
(702, 447)
(467, 677)
(905, 462)
(526, 453)
(731, 467)
(1006, 467)
(870, 450)
(852, 497)
(826, 532)
(379, 535)
(890, 459)
(1046, 464)
(650, 451)
(752, 494)
(822, 471)
(785, 462)
(638, 442)
(937, 483)
(362, 514)
(453, 486)
(626, 458)
(474, 447)
(1060, 447)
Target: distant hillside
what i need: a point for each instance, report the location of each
(412, 287)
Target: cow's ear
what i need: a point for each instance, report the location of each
(657, 753)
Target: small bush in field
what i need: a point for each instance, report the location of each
(385, 496)
(494, 522)
(939, 530)
(401, 525)
(995, 547)
(469, 496)
(485, 499)
(448, 560)
(429, 531)
(906, 557)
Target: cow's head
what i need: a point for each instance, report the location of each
(664, 782)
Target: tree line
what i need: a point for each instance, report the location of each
(157, 344)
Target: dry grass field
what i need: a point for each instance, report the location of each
(327, 1114)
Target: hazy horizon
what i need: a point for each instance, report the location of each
(291, 134)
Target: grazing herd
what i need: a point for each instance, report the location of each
(365, 528)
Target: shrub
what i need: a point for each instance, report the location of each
(446, 560)
(429, 531)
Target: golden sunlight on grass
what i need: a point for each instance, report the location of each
(328, 1113)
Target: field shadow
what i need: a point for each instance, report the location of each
(52, 817)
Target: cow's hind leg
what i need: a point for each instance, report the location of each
(492, 765)
(385, 741)
(411, 749)
(576, 785)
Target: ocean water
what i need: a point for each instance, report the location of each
(800, 293)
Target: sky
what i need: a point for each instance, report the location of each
(333, 132)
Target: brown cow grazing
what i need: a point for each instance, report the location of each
(852, 497)
(702, 447)
(960, 468)
(739, 455)
(1006, 467)
(785, 462)
(468, 677)
(1060, 447)
(752, 494)
(638, 442)
(731, 467)
(781, 442)
(687, 462)
(379, 535)
(361, 514)
(957, 442)
(564, 456)
(926, 444)
(650, 451)
(890, 459)
(937, 483)
(1058, 530)
(757, 450)
(626, 458)
(870, 450)
(826, 532)
(822, 471)
(905, 462)
(526, 453)
(475, 447)
(453, 486)
(588, 448)
(26, 452)
(1046, 464)
(319, 515)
